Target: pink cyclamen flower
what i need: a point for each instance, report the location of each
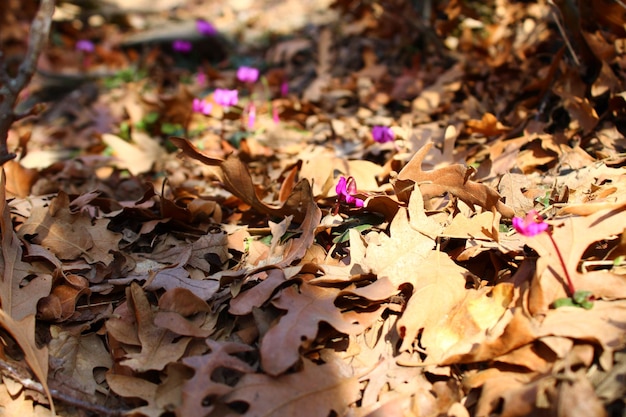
(383, 134)
(85, 45)
(225, 97)
(181, 46)
(284, 88)
(346, 188)
(205, 28)
(201, 106)
(247, 74)
(531, 225)
(201, 79)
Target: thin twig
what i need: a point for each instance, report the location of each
(557, 19)
(10, 371)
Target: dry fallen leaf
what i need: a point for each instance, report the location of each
(70, 235)
(202, 385)
(318, 389)
(471, 319)
(176, 276)
(159, 346)
(218, 288)
(453, 179)
(132, 387)
(488, 126)
(306, 306)
(18, 297)
(574, 235)
(23, 332)
(137, 157)
(76, 355)
(60, 305)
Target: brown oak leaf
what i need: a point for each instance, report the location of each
(202, 386)
(70, 235)
(574, 235)
(76, 355)
(306, 307)
(316, 390)
(453, 179)
(159, 346)
(18, 296)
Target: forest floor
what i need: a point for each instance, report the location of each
(412, 210)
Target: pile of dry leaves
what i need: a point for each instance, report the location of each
(338, 239)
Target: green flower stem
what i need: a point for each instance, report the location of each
(266, 87)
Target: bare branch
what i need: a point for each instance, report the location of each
(8, 370)
(39, 30)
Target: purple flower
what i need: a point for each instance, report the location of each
(205, 28)
(346, 188)
(181, 46)
(225, 97)
(85, 45)
(531, 225)
(247, 74)
(201, 79)
(383, 134)
(284, 88)
(201, 106)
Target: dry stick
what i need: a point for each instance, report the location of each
(557, 19)
(28, 383)
(11, 87)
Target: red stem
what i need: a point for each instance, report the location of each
(570, 284)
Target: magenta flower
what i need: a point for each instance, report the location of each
(284, 88)
(205, 28)
(201, 79)
(181, 46)
(383, 134)
(225, 97)
(247, 74)
(531, 225)
(346, 188)
(85, 45)
(201, 106)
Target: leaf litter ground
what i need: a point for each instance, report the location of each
(161, 261)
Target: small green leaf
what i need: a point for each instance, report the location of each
(343, 237)
(563, 302)
(545, 200)
(151, 117)
(581, 296)
(172, 129)
(125, 130)
(235, 138)
(581, 299)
